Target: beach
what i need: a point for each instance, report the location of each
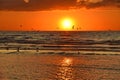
(59, 55)
(59, 39)
(35, 66)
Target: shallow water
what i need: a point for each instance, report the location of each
(59, 67)
(105, 41)
(61, 61)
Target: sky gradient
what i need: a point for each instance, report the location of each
(47, 14)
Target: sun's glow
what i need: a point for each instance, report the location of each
(67, 24)
(67, 62)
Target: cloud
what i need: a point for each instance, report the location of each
(38, 5)
(21, 5)
(98, 3)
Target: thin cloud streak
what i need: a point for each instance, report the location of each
(99, 3)
(40, 5)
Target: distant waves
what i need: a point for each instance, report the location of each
(63, 41)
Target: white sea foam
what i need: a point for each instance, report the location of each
(62, 41)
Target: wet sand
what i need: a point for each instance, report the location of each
(36, 66)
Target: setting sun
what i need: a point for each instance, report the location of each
(67, 24)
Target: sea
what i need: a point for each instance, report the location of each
(63, 41)
(60, 55)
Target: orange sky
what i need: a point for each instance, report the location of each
(49, 20)
(87, 19)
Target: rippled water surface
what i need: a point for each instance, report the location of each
(59, 67)
(105, 41)
(60, 55)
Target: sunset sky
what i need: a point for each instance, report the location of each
(48, 14)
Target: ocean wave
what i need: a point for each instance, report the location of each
(65, 41)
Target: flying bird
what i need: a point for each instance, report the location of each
(73, 27)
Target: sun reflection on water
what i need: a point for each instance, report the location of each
(67, 62)
(65, 70)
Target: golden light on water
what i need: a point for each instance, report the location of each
(67, 62)
(65, 70)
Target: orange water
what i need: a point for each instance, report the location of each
(59, 67)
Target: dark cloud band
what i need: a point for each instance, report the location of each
(38, 5)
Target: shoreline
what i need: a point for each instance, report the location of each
(58, 52)
(35, 66)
